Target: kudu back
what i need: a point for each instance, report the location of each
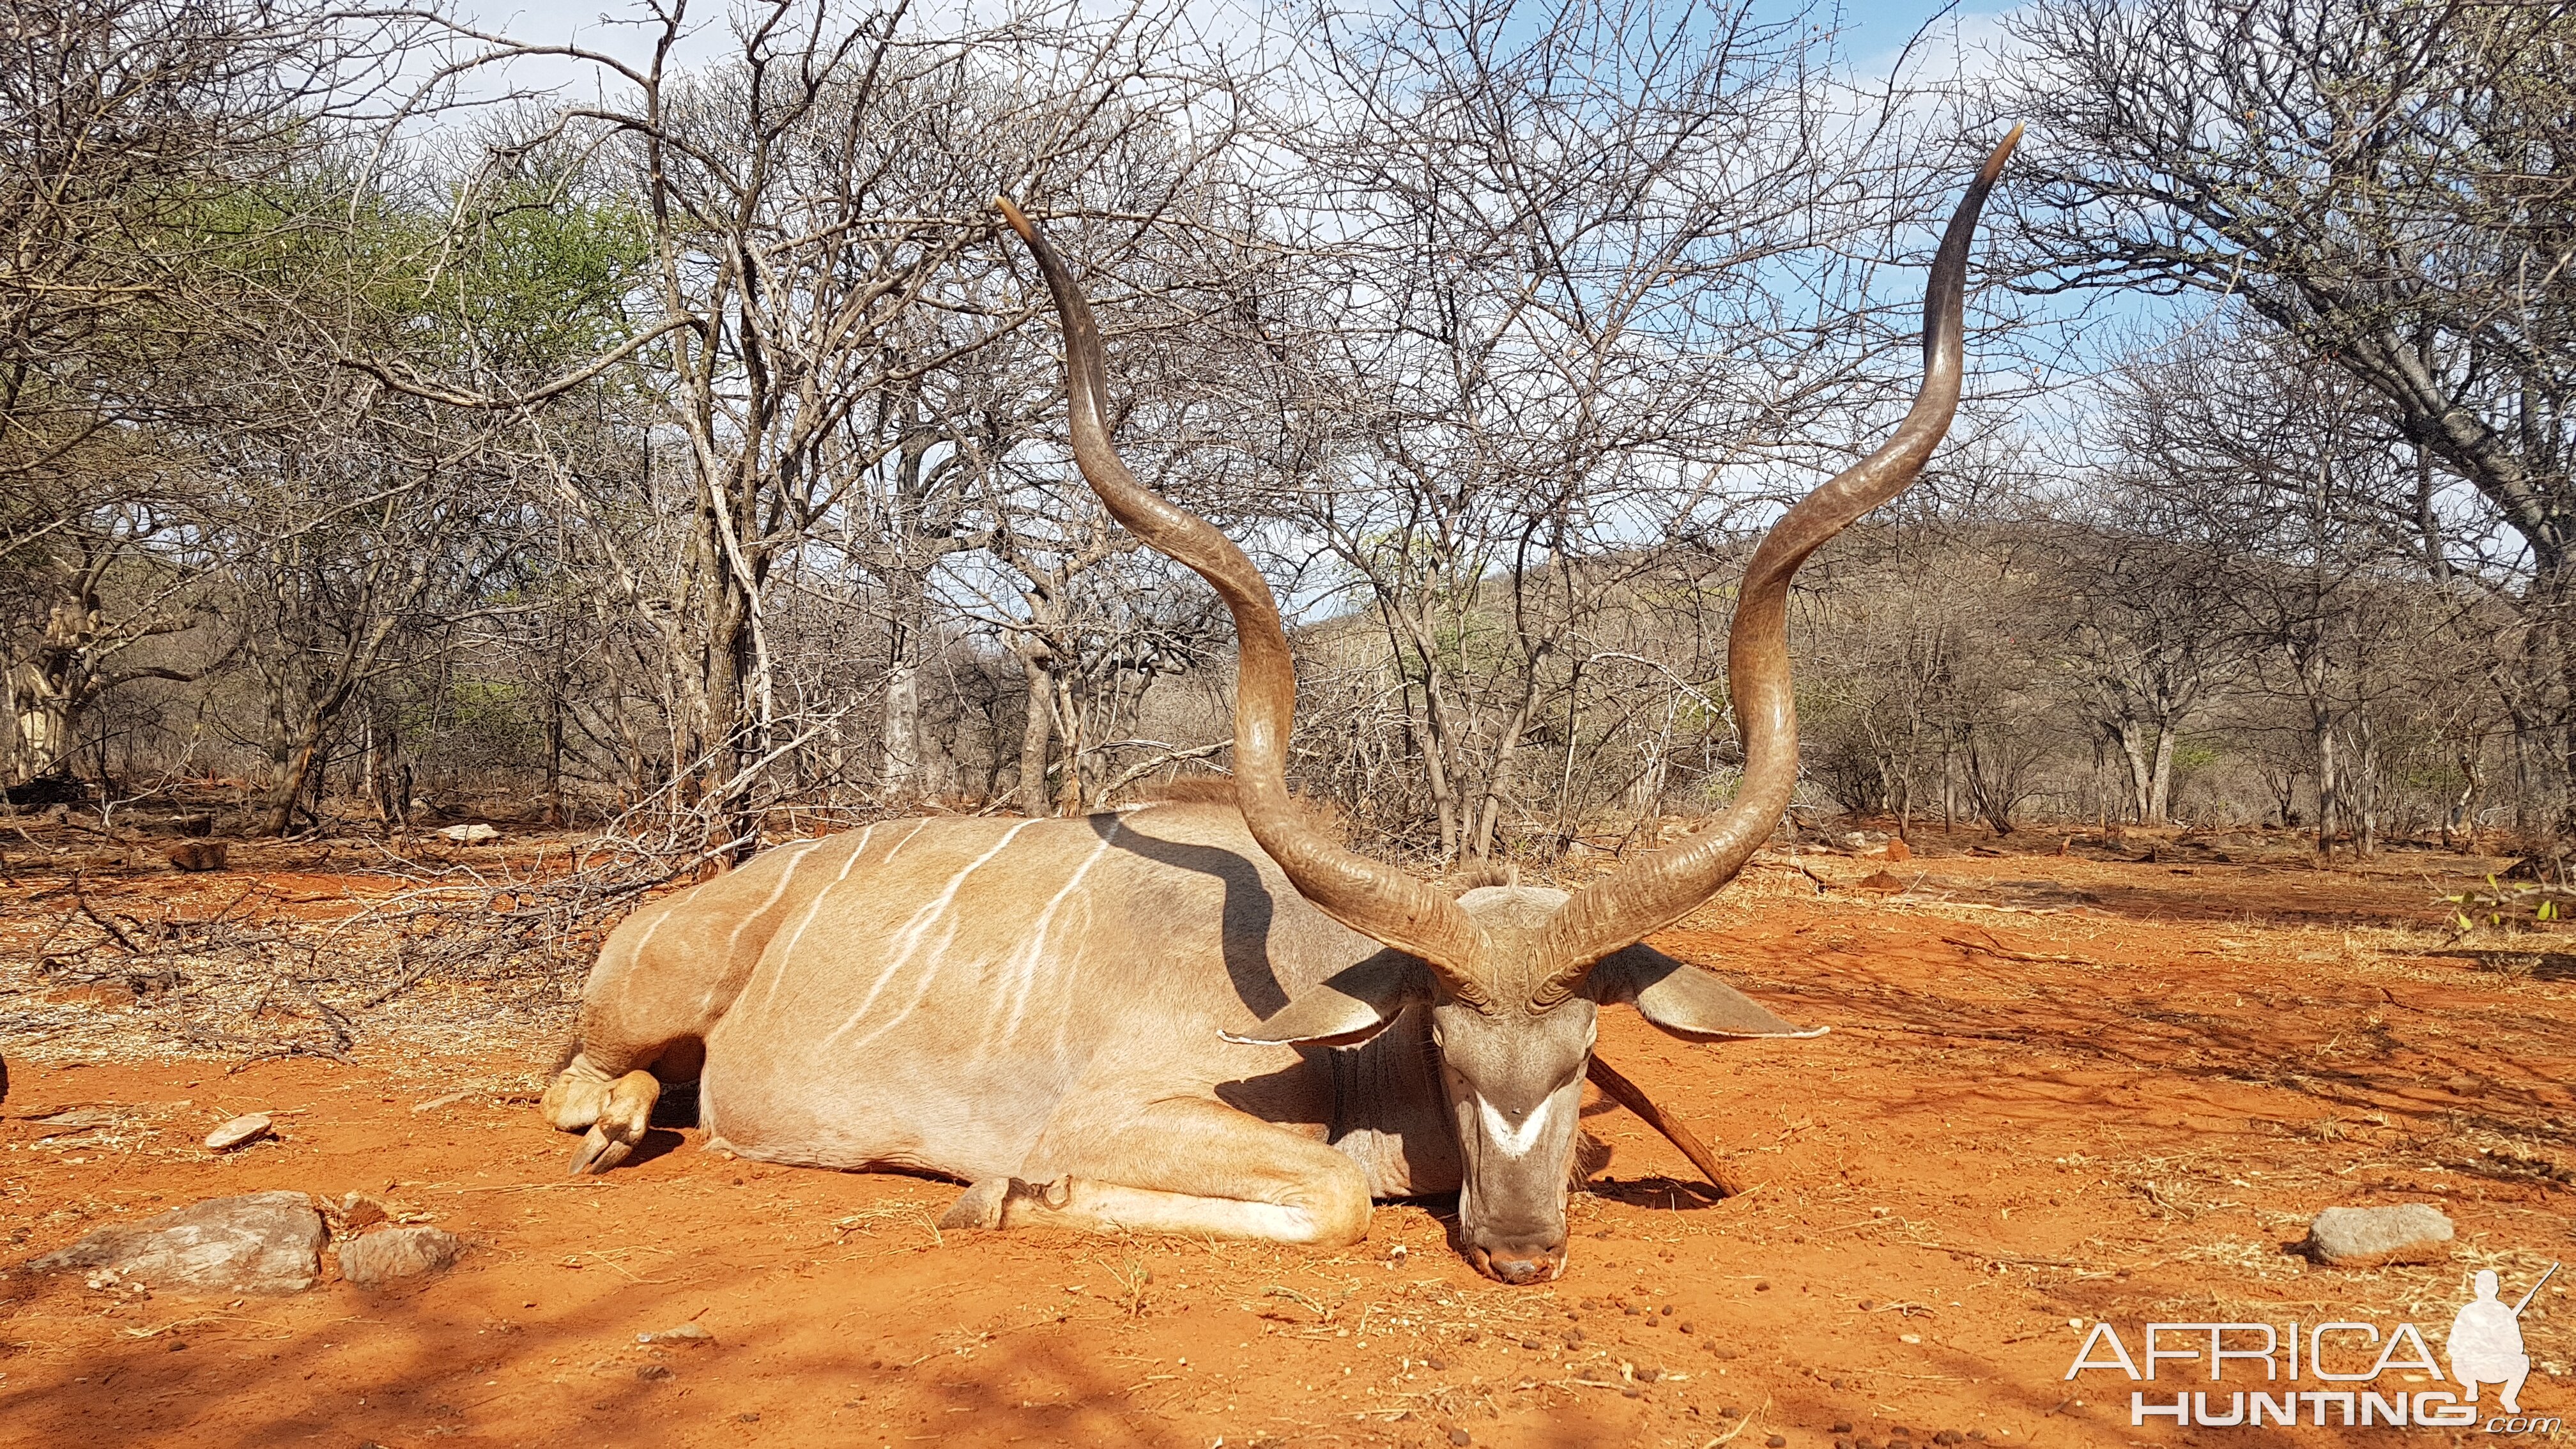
(1201, 1018)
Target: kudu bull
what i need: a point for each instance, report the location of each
(1197, 1018)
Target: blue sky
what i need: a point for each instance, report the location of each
(1869, 30)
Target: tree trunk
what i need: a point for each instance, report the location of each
(2142, 772)
(726, 725)
(2160, 798)
(1068, 795)
(45, 691)
(2328, 794)
(1991, 798)
(277, 814)
(44, 721)
(1034, 733)
(2365, 835)
(1499, 782)
(1436, 762)
(2464, 809)
(1905, 805)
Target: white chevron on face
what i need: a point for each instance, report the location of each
(1515, 1141)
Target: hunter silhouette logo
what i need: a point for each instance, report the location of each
(2347, 1360)
(2486, 1342)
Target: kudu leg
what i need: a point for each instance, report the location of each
(1182, 1165)
(615, 1110)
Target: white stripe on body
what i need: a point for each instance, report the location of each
(908, 942)
(646, 937)
(897, 848)
(769, 993)
(1023, 963)
(734, 937)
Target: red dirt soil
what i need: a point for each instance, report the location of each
(2057, 1090)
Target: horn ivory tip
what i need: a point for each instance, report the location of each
(1995, 159)
(1019, 223)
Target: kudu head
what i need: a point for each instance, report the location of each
(1513, 976)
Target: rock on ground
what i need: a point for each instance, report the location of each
(353, 1212)
(393, 1254)
(197, 855)
(2368, 1237)
(265, 1242)
(239, 1131)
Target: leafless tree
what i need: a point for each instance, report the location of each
(145, 147)
(1551, 335)
(821, 255)
(2384, 184)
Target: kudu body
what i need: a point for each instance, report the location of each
(1200, 1018)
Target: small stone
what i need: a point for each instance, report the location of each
(434, 1103)
(1842, 1426)
(687, 1335)
(1881, 881)
(354, 1211)
(1949, 1436)
(1689, 1327)
(1897, 851)
(263, 1242)
(393, 1254)
(238, 1131)
(477, 834)
(1461, 1438)
(747, 1418)
(196, 855)
(2368, 1237)
(652, 1371)
(1777, 1441)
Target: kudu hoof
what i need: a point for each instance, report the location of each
(597, 1153)
(979, 1206)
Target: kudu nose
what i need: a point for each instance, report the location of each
(1520, 1265)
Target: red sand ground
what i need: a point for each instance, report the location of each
(2057, 1089)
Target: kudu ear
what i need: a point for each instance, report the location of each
(1681, 998)
(1346, 1008)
